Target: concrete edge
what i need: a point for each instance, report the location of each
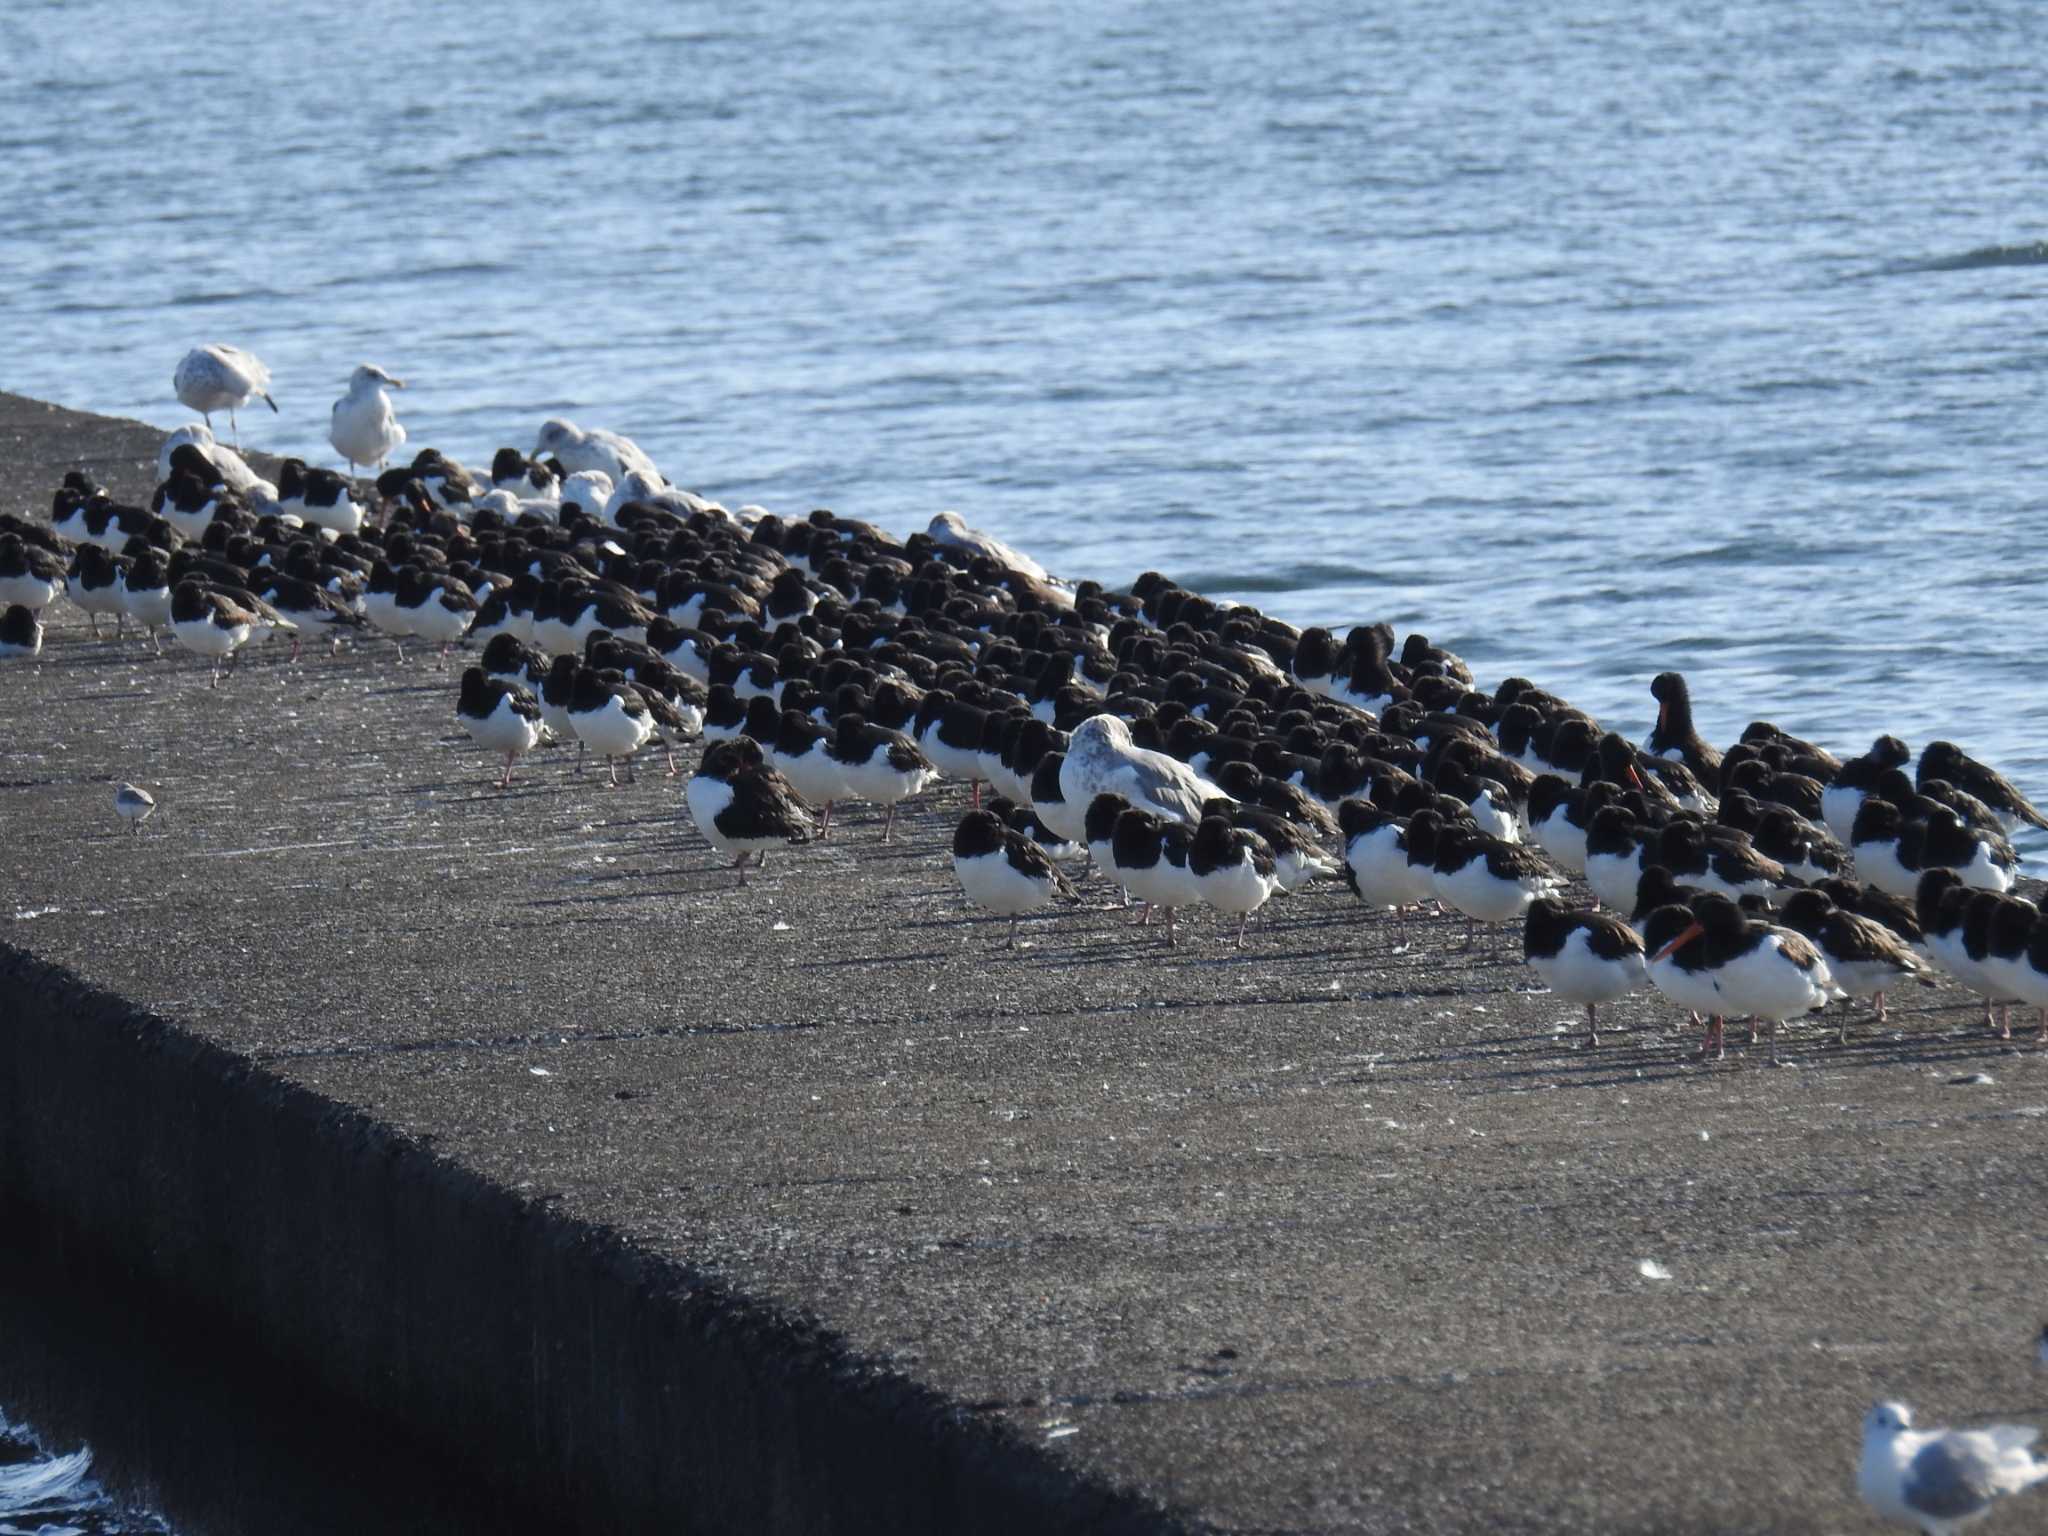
(589, 1385)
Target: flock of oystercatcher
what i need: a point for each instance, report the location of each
(1197, 754)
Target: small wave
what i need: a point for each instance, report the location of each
(233, 296)
(1299, 129)
(36, 1486)
(456, 269)
(1737, 552)
(522, 153)
(54, 1495)
(1293, 578)
(1622, 360)
(1765, 388)
(460, 269)
(2032, 254)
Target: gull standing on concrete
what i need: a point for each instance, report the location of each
(364, 428)
(222, 378)
(1102, 759)
(133, 805)
(1942, 1479)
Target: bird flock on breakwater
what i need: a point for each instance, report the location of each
(1197, 754)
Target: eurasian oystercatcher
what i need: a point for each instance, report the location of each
(1233, 870)
(1761, 970)
(1149, 859)
(216, 624)
(1675, 735)
(1945, 760)
(611, 718)
(1864, 957)
(1617, 851)
(1005, 871)
(94, 585)
(1584, 957)
(21, 631)
(1488, 880)
(1845, 793)
(1683, 972)
(742, 806)
(881, 766)
(30, 576)
(503, 716)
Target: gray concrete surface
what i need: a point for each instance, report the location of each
(1326, 1235)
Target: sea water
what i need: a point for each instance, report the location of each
(1590, 339)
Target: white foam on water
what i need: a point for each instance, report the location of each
(30, 1486)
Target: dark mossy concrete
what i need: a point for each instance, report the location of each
(1331, 1234)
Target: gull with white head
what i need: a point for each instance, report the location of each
(598, 449)
(234, 469)
(587, 490)
(1942, 1480)
(221, 378)
(364, 428)
(133, 805)
(1102, 759)
(638, 485)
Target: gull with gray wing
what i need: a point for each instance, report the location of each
(1942, 1480)
(1102, 759)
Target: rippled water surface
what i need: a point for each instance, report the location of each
(1592, 339)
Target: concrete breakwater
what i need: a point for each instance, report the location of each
(803, 1207)
(567, 1374)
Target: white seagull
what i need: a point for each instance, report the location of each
(221, 378)
(133, 805)
(950, 528)
(364, 428)
(588, 490)
(579, 450)
(234, 469)
(1103, 760)
(638, 485)
(1942, 1479)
